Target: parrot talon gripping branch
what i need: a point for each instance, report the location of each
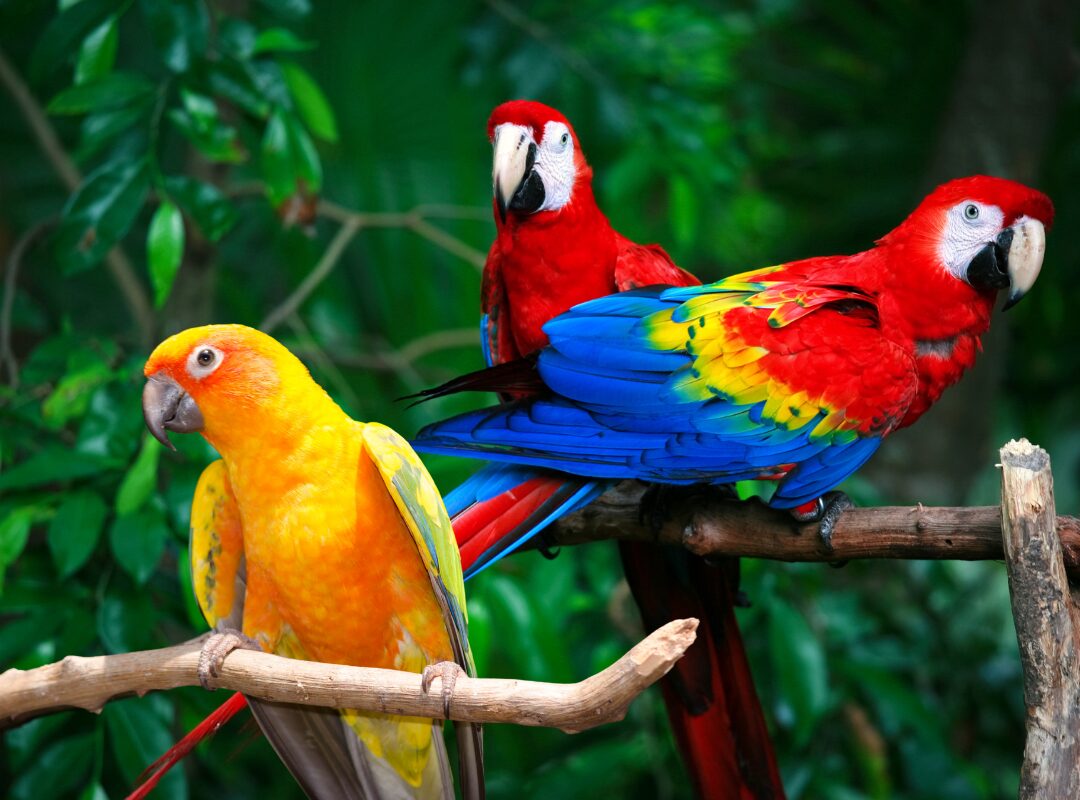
(214, 650)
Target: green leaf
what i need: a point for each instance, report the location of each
(63, 34)
(98, 52)
(305, 157)
(138, 732)
(800, 666)
(59, 770)
(237, 38)
(280, 40)
(233, 81)
(117, 89)
(138, 540)
(209, 208)
(277, 161)
(51, 464)
(75, 530)
(71, 397)
(164, 249)
(100, 128)
(311, 103)
(100, 212)
(126, 623)
(178, 29)
(14, 531)
(141, 479)
(217, 141)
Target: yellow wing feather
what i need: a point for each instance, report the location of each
(217, 549)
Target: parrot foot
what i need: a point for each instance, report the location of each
(661, 501)
(214, 650)
(447, 672)
(826, 511)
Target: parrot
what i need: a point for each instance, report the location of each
(555, 248)
(789, 376)
(315, 536)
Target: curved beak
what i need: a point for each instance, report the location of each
(1025, 257)
(1013, 260)
(516, 185)
(167, 407)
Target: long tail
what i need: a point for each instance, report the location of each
(179, 751)
(710, 696)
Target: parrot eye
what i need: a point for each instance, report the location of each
(971, 211)
(565, 140)
(203, 360)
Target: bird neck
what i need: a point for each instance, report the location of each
(552, 260)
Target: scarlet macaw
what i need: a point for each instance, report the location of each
(324, 539)
(555, 248)
(791, 374)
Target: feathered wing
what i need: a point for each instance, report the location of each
(496, 340)
(700, 384)
(422, 509)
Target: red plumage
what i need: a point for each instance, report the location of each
(540, 265)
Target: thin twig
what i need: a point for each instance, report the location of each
(11, 277)
(117, 263)
(326, 264)
(715, 527)
(394, 360)
(544, 36)
(414, 220)
(89, 683)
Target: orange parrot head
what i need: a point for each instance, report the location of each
(228, 382)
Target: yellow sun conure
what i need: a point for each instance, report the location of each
(320, 538)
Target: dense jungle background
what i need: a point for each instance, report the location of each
(323, 170)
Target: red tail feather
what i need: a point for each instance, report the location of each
(179, 751)
(710, 696)
(479, 527)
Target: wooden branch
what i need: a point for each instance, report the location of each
(89, 683)
(1047, 616)
(712, 526)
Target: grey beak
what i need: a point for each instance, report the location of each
(167, 407)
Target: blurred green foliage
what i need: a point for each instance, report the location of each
(737, 137)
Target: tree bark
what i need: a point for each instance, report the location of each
(1047, 616)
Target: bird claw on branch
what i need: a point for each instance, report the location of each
(447, 672)
(214, 650)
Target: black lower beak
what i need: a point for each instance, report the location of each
(167, 407)
(989, 270)
(529, 195)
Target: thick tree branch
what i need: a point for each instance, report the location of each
(1046, 615)
(89, 683)
(711, 526)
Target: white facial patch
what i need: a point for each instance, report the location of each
(969, 227)
(555, 165)
(203, 360)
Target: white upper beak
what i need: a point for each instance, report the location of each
(1025, 257)
(509, 163)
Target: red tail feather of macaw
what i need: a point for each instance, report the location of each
(153, 774)
(710, 697)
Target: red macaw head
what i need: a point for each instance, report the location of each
(988, 232)
(538, 159)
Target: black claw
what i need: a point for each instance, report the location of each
(662, 501)
(833, 506)
(549, 552)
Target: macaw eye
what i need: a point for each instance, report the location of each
(565, 140)
(971, 211)
(205, 357)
